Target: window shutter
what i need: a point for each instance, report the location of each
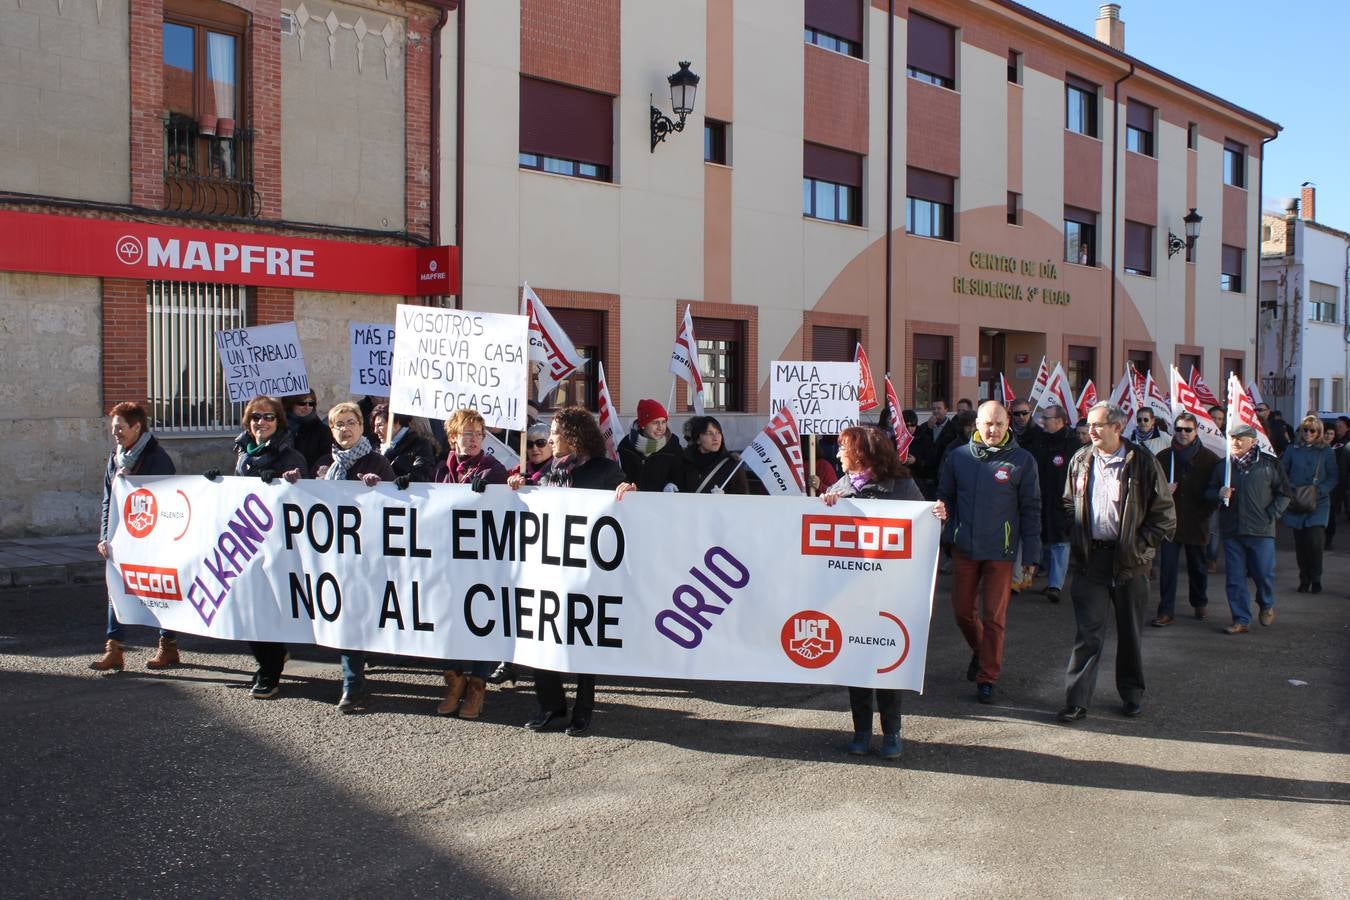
(833, 344)
(566, 122)
(1139, 115)
(717, 329)
(1138, 247)
(932, 46)
(931, 186)
(1081, 83)
(1232, 260)
(841, 18)
(1080, 215)
(828, 164)
(931, 346)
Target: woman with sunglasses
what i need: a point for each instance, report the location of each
(538, 458)
(1310, 462)
(265, 450)
(309, 432)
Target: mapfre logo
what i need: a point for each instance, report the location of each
(151, 582)
(811, 639)
(130, 250)
(856, 536)
(140, 512)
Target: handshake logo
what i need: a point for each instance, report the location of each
(811, 639)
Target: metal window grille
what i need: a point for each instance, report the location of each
(186, 384)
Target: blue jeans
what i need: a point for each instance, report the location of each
(1212, 548)
(1057, 558)
(353, 669)
(115, 627)
(1169, 555)
(1252, 557)
(475, 668)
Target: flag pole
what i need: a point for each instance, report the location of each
(723, 486)
(811, 471)
(671, 401)
(1228, 447)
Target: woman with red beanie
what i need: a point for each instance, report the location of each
(650, 454)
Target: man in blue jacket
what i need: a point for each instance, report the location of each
(989, 495)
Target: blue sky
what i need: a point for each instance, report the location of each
(1289, 62)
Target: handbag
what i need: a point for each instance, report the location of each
(1305, 495)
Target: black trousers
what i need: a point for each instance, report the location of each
(1095, 599)
(548, 690)
(888, 704)
(1308, 544)
(271, 657)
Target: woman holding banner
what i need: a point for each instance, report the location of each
(709, 468)
(410, 454)
(579, 461)
(650, 454)
(872, 471)
(538, 458)
(1310, 464)
(309, 432)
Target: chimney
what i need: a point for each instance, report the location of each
(1110, 29)
(1309, 207)
(1290, 229)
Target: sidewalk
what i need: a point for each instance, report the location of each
(69, 559)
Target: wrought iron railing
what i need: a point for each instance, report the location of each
(208, 175)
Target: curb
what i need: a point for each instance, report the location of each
(48, 575)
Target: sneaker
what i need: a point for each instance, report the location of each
(984, 692)
(265, 687)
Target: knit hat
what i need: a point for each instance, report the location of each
(1242, 431)
(648, 411)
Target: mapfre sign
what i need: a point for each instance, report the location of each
(68, 245)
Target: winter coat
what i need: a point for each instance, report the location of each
(154, 460)
(1301, 464)
(897, 489)
(463, 471)
(1147, 513)
(277, 456)
(1053, 452)
(697, 466)
(413, 456)
(1260, 495)
(654, 472)
(993, 500)
(1193, 509)
(597, 473)
(312, 439)
(373, 463)
(533, 475)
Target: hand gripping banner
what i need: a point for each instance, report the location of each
(763, 589)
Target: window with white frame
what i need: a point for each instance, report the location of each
(186, 384)
(1322, 302)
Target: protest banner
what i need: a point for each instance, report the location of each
(552, 354)
(496, 448)
(263, 359)
(372, 358)
(765, 589)
(449, 359)
(823, 396)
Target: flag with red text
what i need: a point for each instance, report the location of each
(1006, 389)
(1185, 399)
(1057, 391)
(1124, 397)
(1155, 400)
(775, 455)
(1242, 410)
(903, 436)
(1038, 387)
(867, 396)
(1087, 399)
(552, 355)
(684, 361)
(610, 426)
(1197, 383)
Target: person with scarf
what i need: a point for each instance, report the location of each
(352, 457)
(1254, 499)
(872, 470)
(538, 458)
(708, 463)
(579, 461)
(649, 453)
(1188, 464)
(135, 452)
(309, 431)
(989, 496)
(409, 453)
(1147, 432)
(1056, 447)
(1311, 461)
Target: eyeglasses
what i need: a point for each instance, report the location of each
(1021, 412)
(346, 423)
(1181, 430)
(1309, 430)
(262, 417)
(540, 444)
(300, 403)
(476, 435)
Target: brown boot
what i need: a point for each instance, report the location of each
(166, 655)
(111, 660)
(455, 683)
(473, 699)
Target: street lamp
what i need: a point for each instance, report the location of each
(1175, 244)
(683, 88)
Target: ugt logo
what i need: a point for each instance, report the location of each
(811, 639)
(140, 512)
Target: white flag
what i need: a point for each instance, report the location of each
(1038, 386)
(552, 354)
(1185, 399)
(775, 455)
(1057, 391)
(1123, 397)
(684, 361)
(1154, 399)
(496, 448)
(610, 426)
(1242, 409)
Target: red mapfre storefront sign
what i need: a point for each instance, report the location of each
(102, 248)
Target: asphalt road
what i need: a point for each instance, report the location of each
(1235, 781)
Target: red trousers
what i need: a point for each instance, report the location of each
(989, 581)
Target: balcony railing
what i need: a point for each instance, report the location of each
(209, 175)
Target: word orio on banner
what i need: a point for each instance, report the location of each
(766, 589)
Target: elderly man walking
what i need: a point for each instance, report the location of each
(1122, 512)
(989, 496)
(1188, 464)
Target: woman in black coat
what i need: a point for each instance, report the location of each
(411, 455)
(309, 431)
(707, 462)
(872, 470)
(650, 454)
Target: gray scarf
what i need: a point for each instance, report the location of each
(127, 459)
(343, 459)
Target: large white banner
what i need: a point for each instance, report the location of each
(449, 359)
(823, 396)
(264, 359)
(372, 358)
(764, 589)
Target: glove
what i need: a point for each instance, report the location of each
(478, 485)
(402, 482)
(267, 476)
(670, 488)
(211, 474)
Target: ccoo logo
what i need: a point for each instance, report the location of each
(140, 512)
(129, 249)
(811, 639)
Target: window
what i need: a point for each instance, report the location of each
(1233, 364)
(1014, 67)
(831, 184)
(835, 25)
(1322, 302)
(1337, 398)
(721, 362)
(566, 130)
(1014, 208)
(930, 202)
(1142, 359)
(185, 382)
(715, 142)
(1186, 362)
(931, 51)
(1192, 136)
(1314, 394)
(1082, 366)
(586, 329)
(1234, 164)
(1230, 278)
(1080, 105)
(1265, 234)
(1080, 236)
(930, 375)
(1138, 248)
(830, 343)
(1139, 128)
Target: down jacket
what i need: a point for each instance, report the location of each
(993, 500)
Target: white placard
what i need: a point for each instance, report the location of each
(264, 359)
(449, 359)
(823, 396)
(969, 367)
(496, 448)
(372, 358)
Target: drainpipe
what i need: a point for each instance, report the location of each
(1260, 194)
(890, 165)
(460, 24)
(445, 6)
(1115, 203)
